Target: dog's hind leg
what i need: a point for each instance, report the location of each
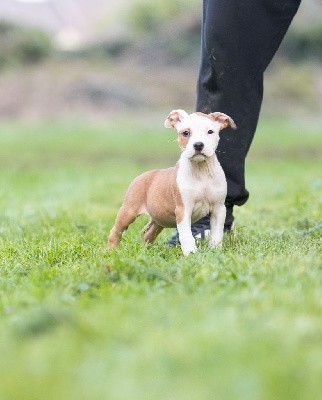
(124, 218)
(151, 231)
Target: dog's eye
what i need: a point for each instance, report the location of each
(210, 132)
(185, 133)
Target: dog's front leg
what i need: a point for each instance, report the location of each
(217, 222)
(187, 241)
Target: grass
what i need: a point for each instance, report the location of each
(143, 322)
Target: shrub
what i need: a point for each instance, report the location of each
(22, 45)
(300, 44)
(148, 17)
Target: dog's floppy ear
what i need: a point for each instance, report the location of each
(223, 119)
(174, 117)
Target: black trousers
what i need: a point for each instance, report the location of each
(239, 39)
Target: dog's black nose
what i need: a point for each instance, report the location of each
(198, 146)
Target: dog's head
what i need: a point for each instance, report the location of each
(198, 133)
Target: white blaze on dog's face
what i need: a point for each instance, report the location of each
(198, 133)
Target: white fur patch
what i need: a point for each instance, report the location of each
(200, 128)
(201, 181)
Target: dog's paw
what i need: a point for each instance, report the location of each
(187, 249)
(215, 244)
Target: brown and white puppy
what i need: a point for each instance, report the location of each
(180, 195)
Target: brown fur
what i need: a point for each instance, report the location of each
(223, 119)
(174, 118)
(151, 231)
(182, 140)
(146, 193)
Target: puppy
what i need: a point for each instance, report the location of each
(180, 195)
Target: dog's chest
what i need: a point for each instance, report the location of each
(201, 192)
(201, 197)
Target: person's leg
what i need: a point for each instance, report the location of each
(239, 39)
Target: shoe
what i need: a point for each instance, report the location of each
(201, 228)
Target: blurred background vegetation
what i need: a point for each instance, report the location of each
(60, 58)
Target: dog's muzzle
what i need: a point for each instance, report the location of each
(198, 146)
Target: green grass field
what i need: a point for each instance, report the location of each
(143, 322)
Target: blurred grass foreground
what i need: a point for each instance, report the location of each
(82, 109)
